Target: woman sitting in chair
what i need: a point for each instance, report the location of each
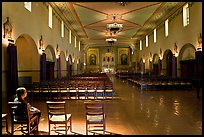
(21, 111)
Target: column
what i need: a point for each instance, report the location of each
(159, 66)
(174, 66)
(43, 67)
(12, 78)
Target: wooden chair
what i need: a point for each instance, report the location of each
(58, 117)
(26, 123)
(5, 120)
(95, 117)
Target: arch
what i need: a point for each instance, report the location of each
(29, 61)
(50, 53)
(167, 63)
(50, 62)
(187, 52)
(186, 61)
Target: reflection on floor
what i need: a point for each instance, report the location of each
(136, 112)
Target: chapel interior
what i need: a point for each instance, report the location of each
(103, 68)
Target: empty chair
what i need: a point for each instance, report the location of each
(58, 118)
(27, 123)
(95, 117)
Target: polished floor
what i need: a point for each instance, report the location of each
(136, 112)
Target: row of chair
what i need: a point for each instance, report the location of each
(161, 83)
(59, 120)
(78, 89)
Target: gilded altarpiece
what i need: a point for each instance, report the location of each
(123, 58)
(92, 59)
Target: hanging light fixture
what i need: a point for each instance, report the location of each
(122, 3)
(111, 40)
(114, 27)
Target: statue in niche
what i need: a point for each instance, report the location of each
(112, 59)
(123, 59)
(7, 29)
(108, 59)
(92, 59)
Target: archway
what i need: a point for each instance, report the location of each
(28, 58)
(50, 62)
(167, 63)
(187, 63)
(155, 64)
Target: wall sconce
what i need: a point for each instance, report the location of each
(160, 54)
(143, 60)
(73, 60)
(199, 44)
(57, 52)
(175, 50)
(150, 56)
(7, 29)
(77, 61)
(84, 64)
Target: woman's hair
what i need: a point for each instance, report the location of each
(20, 91)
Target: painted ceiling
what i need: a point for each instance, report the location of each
(89, 19)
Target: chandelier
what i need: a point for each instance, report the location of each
(111, 40)
(122, 3)
(114, 27)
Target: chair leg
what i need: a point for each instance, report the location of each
(49, 128)
(70, 124)
(66, 129)
(12, 128)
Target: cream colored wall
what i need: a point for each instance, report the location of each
(34, 24)
(177, 34)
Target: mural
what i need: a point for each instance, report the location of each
(123, 59)
(92, 59)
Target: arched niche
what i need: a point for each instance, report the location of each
(28, 57)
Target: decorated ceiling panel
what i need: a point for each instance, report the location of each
(130, 22)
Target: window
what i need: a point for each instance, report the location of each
(166, 27)
(27, 5)
(140, 44)
(70, 36)
(50, 16)
(186, 15)
(155, 35)
(79, 46)
(62, 29)
(147, 41)
(75, 41)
